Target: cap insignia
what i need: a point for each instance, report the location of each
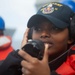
(48, 9)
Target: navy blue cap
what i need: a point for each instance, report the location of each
(57, 13)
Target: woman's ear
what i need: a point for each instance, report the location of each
(70, 41)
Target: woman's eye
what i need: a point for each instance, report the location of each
(37, 29)
(55, 29)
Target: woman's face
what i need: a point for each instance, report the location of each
(56, 38)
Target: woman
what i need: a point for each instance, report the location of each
(54, 25)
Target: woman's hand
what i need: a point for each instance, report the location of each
(25, 38)
(34, 66)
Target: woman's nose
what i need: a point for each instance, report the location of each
(44, 34)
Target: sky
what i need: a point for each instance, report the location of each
(16, 14)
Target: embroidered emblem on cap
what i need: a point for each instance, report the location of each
(48, 9)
